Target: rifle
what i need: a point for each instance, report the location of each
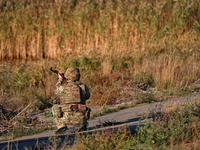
(60, 73)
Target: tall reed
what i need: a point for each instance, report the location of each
(48, 29)
(156, 42)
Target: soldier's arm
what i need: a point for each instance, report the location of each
(59, 83)
(87, 92)
(59, 87)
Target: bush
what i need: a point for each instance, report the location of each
(170, 128)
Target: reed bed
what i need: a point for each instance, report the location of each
(118, 45)
(155, 43)
(49, 29)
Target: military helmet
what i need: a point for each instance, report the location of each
(72, 74)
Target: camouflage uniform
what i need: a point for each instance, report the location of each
(73, 95)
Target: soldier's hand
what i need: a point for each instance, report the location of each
(59, 76)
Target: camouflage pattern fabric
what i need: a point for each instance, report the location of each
(56, 110)
(72, 74)
(59, 87)
(69, 116)
(71, 93)
(85, 94)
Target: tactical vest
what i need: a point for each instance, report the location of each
(71, 93)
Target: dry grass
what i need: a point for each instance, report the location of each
(177, 128)
(113, 43)
(52, 28)
(146, 37)
(157, 38)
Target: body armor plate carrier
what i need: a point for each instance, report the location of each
(71, 93)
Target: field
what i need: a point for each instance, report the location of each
(126, 50)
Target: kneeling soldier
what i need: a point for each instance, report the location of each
(72, 109)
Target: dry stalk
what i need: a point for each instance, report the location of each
(20, 112)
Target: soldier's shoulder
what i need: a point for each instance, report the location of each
(82, 84)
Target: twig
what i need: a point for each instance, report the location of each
(21, 112)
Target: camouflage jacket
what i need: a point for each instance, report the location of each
(59, 90)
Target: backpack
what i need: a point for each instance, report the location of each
(71, 93)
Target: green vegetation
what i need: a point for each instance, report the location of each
(26, 83)
(103, 111)
(167, 130)
(49, 113)
(20, 131)
(114, 43)
(178, 125)
(24, 126)
(118, 45)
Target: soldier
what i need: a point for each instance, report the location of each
(72, 109)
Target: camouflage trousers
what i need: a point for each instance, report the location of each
(63, 116)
